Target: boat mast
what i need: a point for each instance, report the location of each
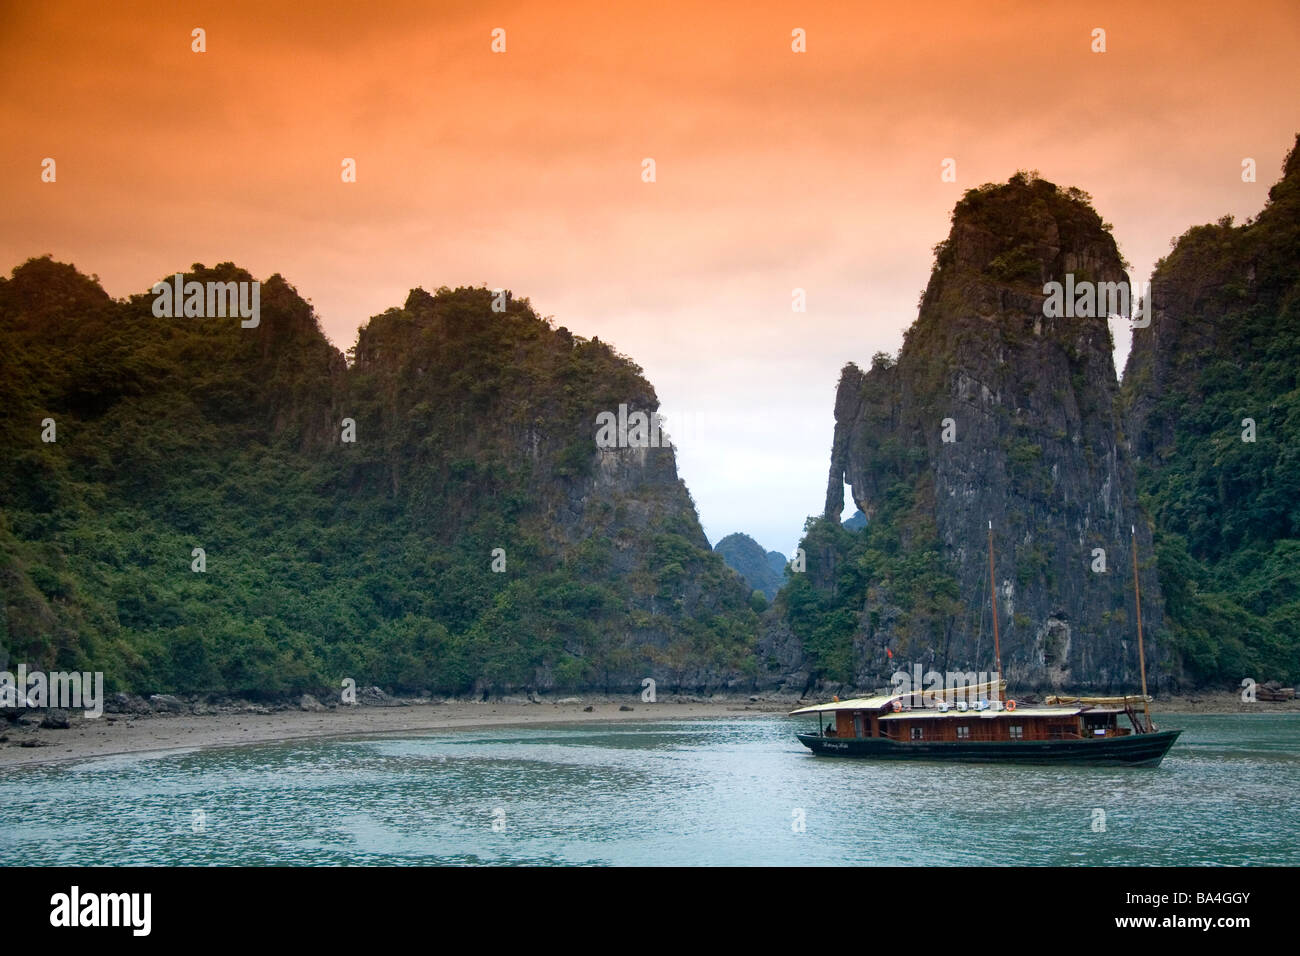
(1142, 657)
(993, 603)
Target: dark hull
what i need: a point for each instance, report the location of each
(1138, 750)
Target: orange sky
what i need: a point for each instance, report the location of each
(775, 170)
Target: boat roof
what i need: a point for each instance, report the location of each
(856, 703)
(883, 700)
(1018, 712)
(1054, 704)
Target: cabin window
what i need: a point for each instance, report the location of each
(963, 733)
(917, 733)
(1017, 732)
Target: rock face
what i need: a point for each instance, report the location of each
(55, 719)
(121, 703)
(762, 571)
(1213, 401)
(995, 412)
(437, 514)
(621, 582)
(167, 704)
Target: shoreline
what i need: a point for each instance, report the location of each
(25, 743)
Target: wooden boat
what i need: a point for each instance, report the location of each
(976, 723)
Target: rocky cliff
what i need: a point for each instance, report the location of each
(436, 515)
(994, 410)
(1213, 398)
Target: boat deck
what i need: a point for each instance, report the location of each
(1129, 749)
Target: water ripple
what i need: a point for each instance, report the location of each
(731, 791)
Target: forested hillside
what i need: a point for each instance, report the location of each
(764, 571)
(349, 514)
(1213, 395)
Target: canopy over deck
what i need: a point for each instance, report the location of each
(857, 703)
(883, 700)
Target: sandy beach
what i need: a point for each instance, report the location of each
(26, 743)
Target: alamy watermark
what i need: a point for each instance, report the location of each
(75, 908)
(635, 430)
(1092, 300)
(208, 300)
(964, 686)
(62, 689)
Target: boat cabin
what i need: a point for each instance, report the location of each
(916, 717)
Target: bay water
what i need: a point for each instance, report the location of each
(735, 791)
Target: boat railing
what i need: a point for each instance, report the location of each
(986, 736)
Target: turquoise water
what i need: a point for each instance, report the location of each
(725, 791)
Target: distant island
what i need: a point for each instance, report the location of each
(763, 571)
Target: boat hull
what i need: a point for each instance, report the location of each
(1137, 750)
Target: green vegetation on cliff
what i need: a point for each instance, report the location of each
(764, 571)
(1205, 435)
(887, 583)
(326, 559)
(992, 411)
(1224, 347)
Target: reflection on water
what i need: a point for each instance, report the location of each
(730, 791)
